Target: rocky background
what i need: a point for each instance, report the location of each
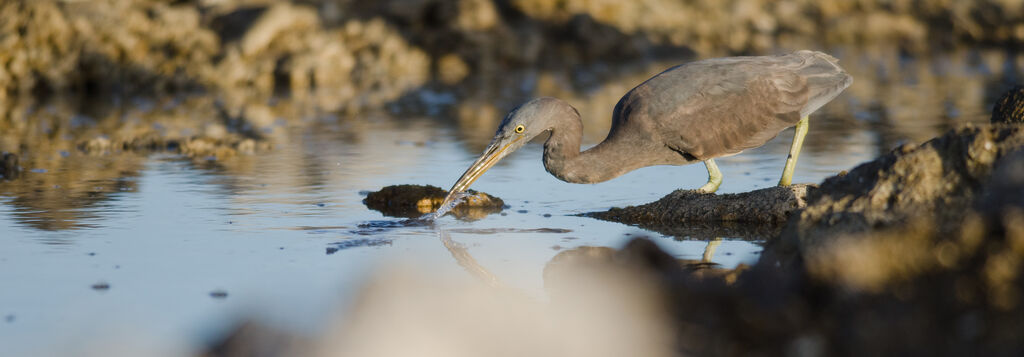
(353, 55)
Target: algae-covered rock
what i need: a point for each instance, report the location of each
(412, 201)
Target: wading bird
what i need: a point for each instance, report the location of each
(693, 112)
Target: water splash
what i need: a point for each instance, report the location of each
(457, 198)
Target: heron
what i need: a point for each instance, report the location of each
(694, 112)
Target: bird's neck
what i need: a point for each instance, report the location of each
(563, 159)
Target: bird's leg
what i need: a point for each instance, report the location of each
(794, 152)
(714, 177)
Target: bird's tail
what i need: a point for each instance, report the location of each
(825, 79)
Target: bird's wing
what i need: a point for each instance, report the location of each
(720, 107)
(736, 114)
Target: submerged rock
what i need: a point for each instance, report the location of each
(412, 201)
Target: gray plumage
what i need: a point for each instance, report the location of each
(692, 112)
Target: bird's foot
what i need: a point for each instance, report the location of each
(714, 177)
(710, 187)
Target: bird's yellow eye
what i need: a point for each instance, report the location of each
(520, 128)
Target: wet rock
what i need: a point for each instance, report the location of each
(101, 286)
(9, 168)
(219, 294)
(768, 206)
(1009, 109)
(939, 179)
(412, 201)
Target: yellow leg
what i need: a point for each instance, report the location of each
(794, 152)
(714, 177)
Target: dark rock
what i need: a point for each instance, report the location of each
(1009, 109)
(771, 205)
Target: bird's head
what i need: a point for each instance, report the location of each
(520, 126)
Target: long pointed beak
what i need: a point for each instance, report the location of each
(494, 153)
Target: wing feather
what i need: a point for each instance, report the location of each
(720, 107)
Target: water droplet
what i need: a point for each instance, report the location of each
(456, 199)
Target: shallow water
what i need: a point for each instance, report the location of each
(186, 247)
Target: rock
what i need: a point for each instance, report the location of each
(278, 19)
(451, 69)
(1009, 109)
(412, 201)
(938, 179)
(768, 206)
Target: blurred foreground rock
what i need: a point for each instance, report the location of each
(411, 201)
(607, 310)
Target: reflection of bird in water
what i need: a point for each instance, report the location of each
(709, 252)
(693, 112)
